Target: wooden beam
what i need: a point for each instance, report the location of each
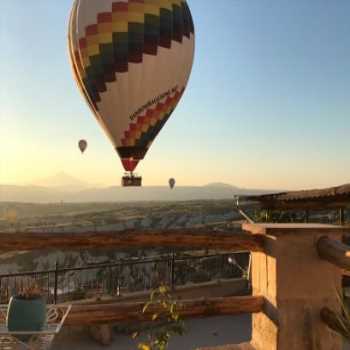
(334, 252)
(188, 238)
(131, 312)
(331, 319)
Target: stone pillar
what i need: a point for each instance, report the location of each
(296, 284)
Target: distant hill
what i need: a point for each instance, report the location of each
(36, 194)
(221, 185)
(62, 182)
(46, 194)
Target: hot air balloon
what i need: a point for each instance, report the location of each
(172, 183)
(82, 145)
(131, 60)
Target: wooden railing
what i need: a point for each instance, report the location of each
(119, 277)
(127, 312)
(296, 271)
(188, 238)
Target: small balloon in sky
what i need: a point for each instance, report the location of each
(172, 183)
(83, 145)
(131, 62)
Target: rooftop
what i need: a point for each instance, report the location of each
(327, 198)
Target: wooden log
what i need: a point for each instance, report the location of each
(331, 319)
(334, 252)
(102, 334)
(189, 238)
(130, 312)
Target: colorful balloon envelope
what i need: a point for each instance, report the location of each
(131, 60)
(172, 183)
(82, 145)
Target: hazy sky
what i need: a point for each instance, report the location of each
(268, 103)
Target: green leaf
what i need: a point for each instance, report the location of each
(153, 294)
(163, 289)
(135, 335)
(146, 307)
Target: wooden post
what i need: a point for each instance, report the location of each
(296, 285)
(334, 251)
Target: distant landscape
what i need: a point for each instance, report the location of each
(65, 188)
(105, 217)
(100, 217)
(64, 204)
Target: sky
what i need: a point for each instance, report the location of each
(267, 105)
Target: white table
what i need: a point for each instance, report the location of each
(56, 315)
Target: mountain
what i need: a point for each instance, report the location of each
(221, 185)
(62, 182)
(155, 193)
(42, 194)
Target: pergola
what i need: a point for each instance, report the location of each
(333, 198)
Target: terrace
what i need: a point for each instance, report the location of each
(291, 307)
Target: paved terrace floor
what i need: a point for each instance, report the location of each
(212, 331)
(201, 332)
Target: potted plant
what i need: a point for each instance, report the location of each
(27, 311)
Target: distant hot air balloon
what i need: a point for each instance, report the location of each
(131, 60)
(82, 145)
(172, 183)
